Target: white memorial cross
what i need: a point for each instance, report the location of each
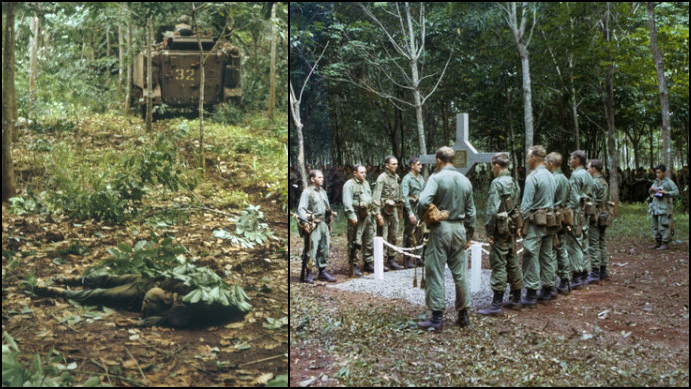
(465, 154)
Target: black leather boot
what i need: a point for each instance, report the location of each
(576, 281)
(594, 276)
(409, 263)
(324, 276)
(530, 298)
(436, 321)
(564, 286)
(603, 273)
(368, 267)
(495, 307)
(656, 245)
(515, 300)
(308, 277)
(463, 319)
(355, 272)
(393, 265)
(545, 294)
(584, 278)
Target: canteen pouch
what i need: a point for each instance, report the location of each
(502, 223)
(590, 208)
(540, 217)
(559, 215)
(551, 218)
(577, 230)
(567, 216)
(605, 219)
(389, 207)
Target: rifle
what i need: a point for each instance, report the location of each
(301, 227)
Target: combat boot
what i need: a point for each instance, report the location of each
(576, 281)
(436, 321)
(409, 263)
(354, 271)
(68, 280)
(594, 276)
(324, 276)
(463, 319)
(515, 300)
(393, 265)
(603, 273)
(584, 278)
(368, 267)
(656, 245)
(495, 307)
(564, 286)
(662, 247)
(545, 294)
(530, 298)
(308, 277)
(48, 291)
(419, 262)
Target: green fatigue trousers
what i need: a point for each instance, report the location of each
(390, 232)
(361, 236)
(446, 246)
(320, 245)
(126, 290)
(577, 248)
(538, 262)
(504, 260)
(661, 231)
(596, 246)
(561, 252)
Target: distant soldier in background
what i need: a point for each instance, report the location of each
(661, 193)
(411, 187)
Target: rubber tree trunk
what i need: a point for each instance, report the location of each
(662, 87)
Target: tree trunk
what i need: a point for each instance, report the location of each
(202, 161)
(272, 74)
(33, 61)
(149, 103)
(128, 83)
(662, 87)
(611, 131)
(107, 41)
(527, 98)
(120, 57)
(8, 117)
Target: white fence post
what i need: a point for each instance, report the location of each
(475, 267)
(378, 258)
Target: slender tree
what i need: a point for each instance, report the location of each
(8, 117)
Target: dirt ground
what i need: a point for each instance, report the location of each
(644, 305)
(106, 343)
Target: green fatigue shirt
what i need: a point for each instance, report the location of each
(501, 186)
(600, 190)
(581, 185)
(662, 205)
(356, 193)
(386, 188)
(539, 191)
(411, 186)
(451, 191)
(313, 201)
(563, 192)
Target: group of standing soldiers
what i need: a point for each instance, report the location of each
(562, 221)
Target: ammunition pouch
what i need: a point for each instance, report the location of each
(589, 208)
(551, 219)
(578, 230)
(389, 207)
(433, 215)
(501, 221)
(605, 219)
(361, 212)
(400, 204)
(567, 216)
(539, 217)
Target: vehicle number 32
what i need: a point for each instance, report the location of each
(184, 74)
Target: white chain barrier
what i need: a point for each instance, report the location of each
(475, 251)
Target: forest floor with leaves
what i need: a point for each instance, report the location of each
(99, 345)
(631, 330)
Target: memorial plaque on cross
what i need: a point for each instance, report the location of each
(465, 154)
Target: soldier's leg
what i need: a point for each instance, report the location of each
(368, 240)
(587, 260)
(656, 228)
(531, 251)
(391, 223)
(109, 281)
(498, 253)
(352, 232)
(548, 264)
(515, 275)
(315, 238)
(129, 295)
(593, 245)
(664, 228)
(408, 229)
(459, 265)
(435, 260)
(604, 256)
(323, 248)
(563, 263)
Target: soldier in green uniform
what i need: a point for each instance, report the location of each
(561, 195)
(314, 205)
(661, 193)
(450, 191)
(581, 192)
(503, 201)
(411, 187)
(357, 201)
(596, 232)
(386, 200)
(538, 201)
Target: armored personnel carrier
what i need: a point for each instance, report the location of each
(175, 69)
